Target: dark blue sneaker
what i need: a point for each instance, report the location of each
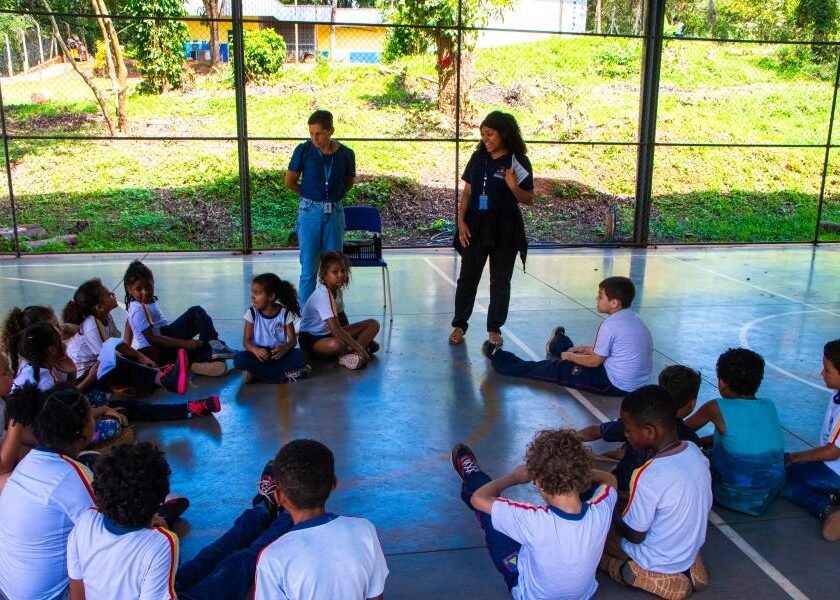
(488, 348)
(555, 333)
(464, 461)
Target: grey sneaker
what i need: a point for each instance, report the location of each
(220, 351)
(292, 375)
(352, 361)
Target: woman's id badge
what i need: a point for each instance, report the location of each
(483, 202)
(327, 208)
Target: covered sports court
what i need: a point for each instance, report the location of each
(392, 424)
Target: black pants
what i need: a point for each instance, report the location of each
(473, 259)
(194, 322)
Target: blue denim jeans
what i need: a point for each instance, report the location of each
(808, 484)
(226, 568)
(270, 371)
(563, 372)
(503, 550)
(317, 232)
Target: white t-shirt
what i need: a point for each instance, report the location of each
(84, 347)
(123, 564)
(831, 430)
(560, 552)
(320, 306)
(670, 499)
(625, 342)
(269, 331)
(328, 557)
(47, 378)
(45, 496)
(141, 317)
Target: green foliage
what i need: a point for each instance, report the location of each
(618, 59)
(158, 44)
(797, 61)
(265, 53)
(376, 192)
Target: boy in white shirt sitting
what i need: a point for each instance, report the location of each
(530, 545)
(620, 361)
(114, 552)
(324, 555)
(655, 544)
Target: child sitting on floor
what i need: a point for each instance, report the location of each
(46, 495)
(325, 330)
(270, 340)
(683, 384)
(323, 555)
(655, 543)
(813, 476)
(621, 359)
(7, 454)
(159, 339)
(747, 458)
(114, 551)
(543, 551)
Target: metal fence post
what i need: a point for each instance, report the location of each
(9, 173)
(827, 148)
(654, 23)
(241, 125)
(460, 33)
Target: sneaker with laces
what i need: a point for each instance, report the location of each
(216, 368)
(292, 375)
(557, 331)
(220, 351)
(175, 377)
(834, 497)
(670, 586)
(172, 508)
(464, 461)
(204, 406)
(488, 348)
(352, 361)
(373, 347)
(265, 487)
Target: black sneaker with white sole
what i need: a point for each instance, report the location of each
(464, 461)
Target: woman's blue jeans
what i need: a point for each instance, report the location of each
(317, 232)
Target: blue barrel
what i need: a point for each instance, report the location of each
(224, 52)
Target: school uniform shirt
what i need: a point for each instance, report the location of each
(560, 551)
(269, 331)
(625, 342)
(320, 306)
(47, 378)
(117, 563)
(143, 316)
(326, 557)
(317, 169)
(45, 496)
(831, 430)
(84, 347)
(670, 499)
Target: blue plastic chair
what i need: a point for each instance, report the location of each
(368, 254)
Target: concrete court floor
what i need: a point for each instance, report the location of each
(391, 425)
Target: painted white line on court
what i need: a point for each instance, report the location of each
(757, 287)
(743, 337)
(762, 563)
(152, 261)
(61, 285)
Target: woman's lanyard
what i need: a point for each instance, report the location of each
(483, 199)
(327, 173)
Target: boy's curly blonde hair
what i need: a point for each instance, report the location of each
(559, 462)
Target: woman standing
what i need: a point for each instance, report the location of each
(497, 179)
(329, 170)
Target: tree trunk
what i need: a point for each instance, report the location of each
(711, 18)
(598, 16)
(637, 17)
(109, 57)
(100, 99)
(333, 17)
(211, 10)
(447, 66)
(113, 41)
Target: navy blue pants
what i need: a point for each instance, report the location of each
(194, 322)
(270, 371)
(226, 568)
(808, 484)
(504, 551)
(563, 372)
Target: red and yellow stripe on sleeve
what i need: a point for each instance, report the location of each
(83, 474)
(634, 483)
(173, 565)
(832, 439)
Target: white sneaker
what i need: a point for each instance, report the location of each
(352, 361)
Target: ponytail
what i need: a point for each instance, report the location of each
(16, 322)
(284, 292)
(35, 344)
(85, 299)
(24, 404)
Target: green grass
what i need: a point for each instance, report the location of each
(133, 195)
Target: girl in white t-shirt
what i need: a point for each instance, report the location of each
(325, 330)
(270, 340)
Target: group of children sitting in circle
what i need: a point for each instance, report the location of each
(79, 522)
